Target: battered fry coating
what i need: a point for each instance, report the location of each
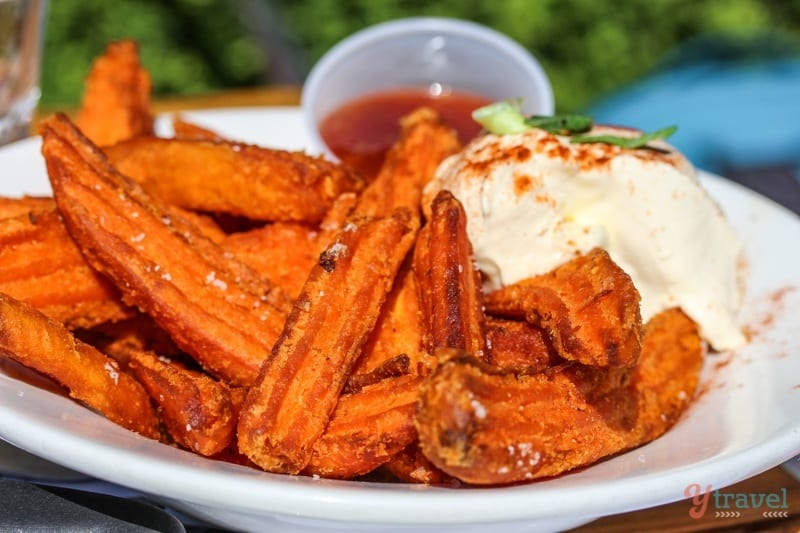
(520, 345)
(234, 178)
(399, 365)
(449, 287)
(197, 411)
(116, 102)
(424, 143)
(367, 428)
(289, 406)
(588, 306)
(285, 252)
(398, 332)
(486, 425)
(411, 466)
(214, 308)
(12, 207)
(282, 252)
(40, 264)
(38, 342)
(336, 218)
(204, 224)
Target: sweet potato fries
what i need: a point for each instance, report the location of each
(276, 310)
(235, 178)
(116, 103)
(225, 316)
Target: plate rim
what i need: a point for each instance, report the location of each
(323, 492)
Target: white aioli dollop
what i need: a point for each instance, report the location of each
(534, 200)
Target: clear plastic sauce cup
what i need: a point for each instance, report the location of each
(380, 73)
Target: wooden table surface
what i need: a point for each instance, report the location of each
(672, 517)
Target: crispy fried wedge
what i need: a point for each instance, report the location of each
(411, 466)
(397, 333)
(234, 178)
(367, 429)
(399, 365)
(520, 345)
(588, 306)
(41, 265)
(285, 252)
(118, 339)
(204, 224)
(184, 129)
(216, 309)
(12, 207)
(197, 411)
(289, 406)
(335, 219)
(374, 418)
(449, 288)
(116, 102)
(424, 142)
(38, 342)
(282, 252)
(486, 425)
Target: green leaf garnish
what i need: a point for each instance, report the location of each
(506, 117)
(626, 142)
(501, 118)
(561, 124)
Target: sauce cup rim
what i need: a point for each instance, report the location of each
(314, 84)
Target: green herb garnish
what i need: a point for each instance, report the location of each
(626, 142)
(501, 117)
(561, 124)
(506, 117)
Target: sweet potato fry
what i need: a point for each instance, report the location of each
(399, 365)
(12, 207)
(520, 345)
(398, 331)
(411, 466)
(297, 389)
(367, 428)
(589, 307)
(197, 411)
(282, 252)
(234, 178)
(184, 129)
(116, 102)
(41, 265)
(449, 288)
(486, 425)
(424, 142)
(285, 252)
(214, 307)
(139, 332)
(335, 219)
(38, 342)
(205, 225)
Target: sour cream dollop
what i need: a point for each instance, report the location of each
(534, 201)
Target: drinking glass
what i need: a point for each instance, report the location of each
(21, 35)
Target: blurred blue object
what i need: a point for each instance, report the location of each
(732, 113)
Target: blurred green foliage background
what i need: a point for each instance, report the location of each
(588, 47)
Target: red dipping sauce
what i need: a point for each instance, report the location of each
(361, 131)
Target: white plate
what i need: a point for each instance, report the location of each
(744, 422)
